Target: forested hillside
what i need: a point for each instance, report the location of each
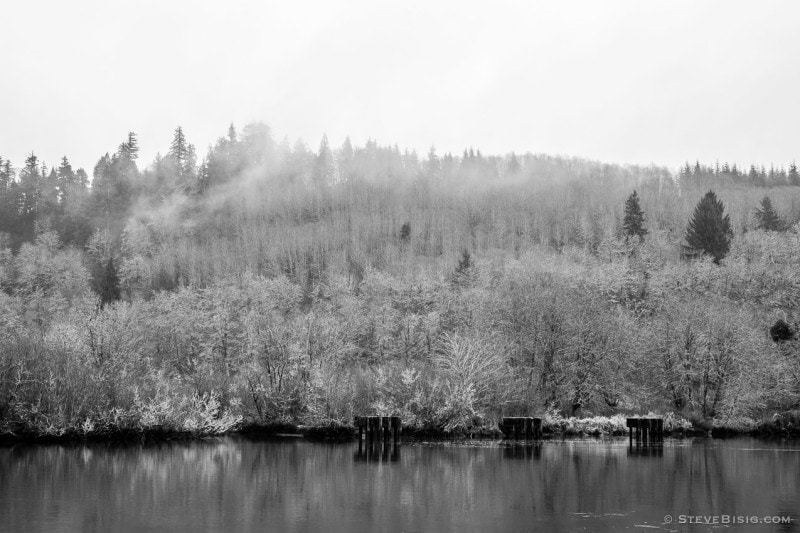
(267, 282)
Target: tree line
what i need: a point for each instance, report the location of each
(267, 282)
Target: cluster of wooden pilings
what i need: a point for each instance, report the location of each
(378, 428)
(522, 427)
(646, 431)
(378, 438)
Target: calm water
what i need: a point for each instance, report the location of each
(235, 484)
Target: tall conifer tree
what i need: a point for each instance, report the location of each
(709, 229)
(633, 223)
(766, 216)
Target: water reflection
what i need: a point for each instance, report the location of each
(235, 484)
(377, 451)
(645, 451)
(523, 451)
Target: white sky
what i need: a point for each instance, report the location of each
(620, 81)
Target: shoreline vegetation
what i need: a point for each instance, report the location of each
(268, 283)
(553, 426)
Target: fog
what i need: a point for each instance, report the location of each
(626, 82)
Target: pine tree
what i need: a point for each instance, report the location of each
(513, 165)
(66, 178)
(179, 147)
(82, 179)
(781, 331)
(183, 154)
(109, 285)
(709, 229)
(323, 172)
(5, 176)
(794, 176)
(133, 146)
(30, 185)
(434, 166)
(405, 231)
(633, 223)
(767, 218)
(465, 271)
(130, 148)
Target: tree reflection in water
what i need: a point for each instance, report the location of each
(236, 484)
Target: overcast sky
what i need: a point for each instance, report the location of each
(619, 81)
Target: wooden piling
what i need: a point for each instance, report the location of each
(378, 429)
(522, 427)
(396, 429)
(646, 431)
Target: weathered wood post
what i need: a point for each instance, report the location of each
(646, 431)
(629, 422)
(360, 421)
(521, 427)
(396, 428)
(537, 428)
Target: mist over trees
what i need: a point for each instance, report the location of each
(264, 281)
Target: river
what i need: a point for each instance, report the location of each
(241, 484)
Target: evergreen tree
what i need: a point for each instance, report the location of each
(30, 182)
(323, 173)
(465, 271)
(133, 146)
(82, 178)
(112, 188)
(183, 158)
(513, 165)
(434, 166)
(346, 161)
(405, 231)
(257, 145)
(5, 175)
(767, 218)
(781, 331)
(129, 149)
(709, 229)
(65, 177)
(179, 149)
(49, 192)
(8, 200)
(794, 176)
(109, 284)
(633, 223)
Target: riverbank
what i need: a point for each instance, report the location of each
(553, 426)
